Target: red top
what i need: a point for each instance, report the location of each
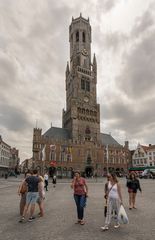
(79, 186)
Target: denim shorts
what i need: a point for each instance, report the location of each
(32, 197)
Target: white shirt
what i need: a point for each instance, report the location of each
(114, 191)
(46, 177)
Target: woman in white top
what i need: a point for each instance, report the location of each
(114, 198)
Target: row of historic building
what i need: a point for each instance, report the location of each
(144, 156)
(9, 158)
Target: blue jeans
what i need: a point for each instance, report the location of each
(80, 201)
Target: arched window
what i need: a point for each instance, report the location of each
(77, 36)
(83, 37)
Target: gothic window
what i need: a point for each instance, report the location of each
(87, 131)
(82, 84)
(53, 155)
(77, 36)
(78, 61)
(87, 111)
(62, 157)
(83, 37)
(89, 159)
(87, 86)
(69, 158)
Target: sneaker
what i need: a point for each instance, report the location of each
(117, 225)
(31, 219)
(105, 228)
(22, 220)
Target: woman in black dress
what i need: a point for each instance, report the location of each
(133, 185)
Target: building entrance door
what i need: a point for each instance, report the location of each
(89, 171)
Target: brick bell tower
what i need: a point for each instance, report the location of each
(82, 114)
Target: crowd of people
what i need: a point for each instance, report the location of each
(32, 192)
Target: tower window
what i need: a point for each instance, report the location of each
(77, 36)
(87, 86)
(78, 61)
(83, 37)
(82, 84)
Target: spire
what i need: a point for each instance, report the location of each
(94, 64)
(94, 60)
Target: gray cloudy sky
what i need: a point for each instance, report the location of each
(34, 49)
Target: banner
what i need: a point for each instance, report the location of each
(43, 153)
(66, 153)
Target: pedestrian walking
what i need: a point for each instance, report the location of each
(32, 195)
(54, 181)
(22, 191)
(46, 181)
(114, 200)
(80, 195)
(133, 185)
(114, 214)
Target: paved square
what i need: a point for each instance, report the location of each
(60, 214)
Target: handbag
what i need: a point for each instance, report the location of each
(23, 188)
(122, 216)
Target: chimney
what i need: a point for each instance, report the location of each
(126, 144)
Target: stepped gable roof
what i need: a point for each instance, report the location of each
(107, 139)
(146, 148)
(151, 147)
(57, 133)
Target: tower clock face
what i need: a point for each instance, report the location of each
(85, 52)
(86, 99)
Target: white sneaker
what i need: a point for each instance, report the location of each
(117, 225)
(105, 228)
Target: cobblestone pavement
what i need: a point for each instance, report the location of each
(60, 215)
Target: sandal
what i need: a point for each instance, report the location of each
(78, 222)
(82, 222)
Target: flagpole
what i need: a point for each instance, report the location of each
(43, 158)
(107, 159)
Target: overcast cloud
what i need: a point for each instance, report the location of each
(34, 50)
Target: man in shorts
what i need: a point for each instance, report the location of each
(32, 195)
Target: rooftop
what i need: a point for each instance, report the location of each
(64, 134)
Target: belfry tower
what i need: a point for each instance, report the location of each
(82, 114)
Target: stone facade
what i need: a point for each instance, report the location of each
(79, 144)
(5, 154)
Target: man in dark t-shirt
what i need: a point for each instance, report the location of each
(32, 195)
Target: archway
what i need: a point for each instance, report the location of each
(89, 171)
